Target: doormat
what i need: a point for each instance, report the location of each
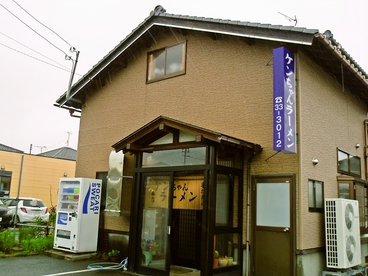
(179, 270)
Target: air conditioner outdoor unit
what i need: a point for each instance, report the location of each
(342, 233)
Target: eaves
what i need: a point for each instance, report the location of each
(159, 17)
(321, 47)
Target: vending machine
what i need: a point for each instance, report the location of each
(78, 212)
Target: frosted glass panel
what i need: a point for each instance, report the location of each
(167, 139)
(186, 137)
(319, 194)
(222, 200)
(273, 204)
(310, 193)
(175, 157)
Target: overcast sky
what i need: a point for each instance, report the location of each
(34, 72)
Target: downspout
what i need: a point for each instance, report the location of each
(366, 148)
(249, 182)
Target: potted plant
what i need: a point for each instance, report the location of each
(223, 261)
(216, 260)
(230, 260)
(113, 254)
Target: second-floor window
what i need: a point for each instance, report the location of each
(348, 164)
(166, 63)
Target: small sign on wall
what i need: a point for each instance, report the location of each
(284, 104)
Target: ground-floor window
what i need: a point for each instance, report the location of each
(353, 188)
(315, 196)
(5, 183)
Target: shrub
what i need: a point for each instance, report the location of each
(28, 232)
(37, 245)
(30, 239)
(7, 240)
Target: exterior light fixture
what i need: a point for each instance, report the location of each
(2, 167)
(314, 161)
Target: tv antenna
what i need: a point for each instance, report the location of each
(290, 19)
(67, 141)
(33, 146)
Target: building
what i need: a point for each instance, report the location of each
(185, 121)
(36, 176)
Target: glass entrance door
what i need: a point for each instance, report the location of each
(156, 217)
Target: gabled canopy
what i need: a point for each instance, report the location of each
(323, 48)
(143, 138)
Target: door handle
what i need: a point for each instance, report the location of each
(168, 230)
(286, 229)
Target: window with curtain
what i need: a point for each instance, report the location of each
(167, 62)
(348, 164)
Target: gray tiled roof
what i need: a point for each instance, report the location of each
(7, 148)
(161, 12)
(61, 153)
(159, 17)
(321, 46)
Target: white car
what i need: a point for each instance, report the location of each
(29, 209)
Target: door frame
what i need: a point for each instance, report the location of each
(292, 237)
(144, 269)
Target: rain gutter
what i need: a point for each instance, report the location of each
(208, 30)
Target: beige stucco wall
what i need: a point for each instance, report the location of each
(228, 88)
(330, 117)
(40, 175)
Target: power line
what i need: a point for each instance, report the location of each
(33, 29)
(42, 23)
(32, 50)
(72, 49)
(64, 69)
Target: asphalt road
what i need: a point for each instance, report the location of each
(40, 265)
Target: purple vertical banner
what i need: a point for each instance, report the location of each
(284, 105)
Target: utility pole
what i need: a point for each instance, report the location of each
(73, 50)
(18, 193)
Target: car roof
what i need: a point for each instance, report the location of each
(23, 198)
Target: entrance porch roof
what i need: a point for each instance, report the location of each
(141, 139)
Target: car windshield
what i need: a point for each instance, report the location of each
(11, 202)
